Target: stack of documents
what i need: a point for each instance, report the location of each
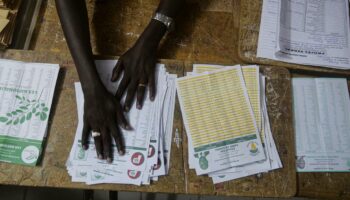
(147, 146)
(226, 121)
(322, 124)
(26, 92)
(306, 32)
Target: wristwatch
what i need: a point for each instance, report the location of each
(167, 21)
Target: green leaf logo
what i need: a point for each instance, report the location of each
(25, 111)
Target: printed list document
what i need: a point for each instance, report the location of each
(251, 80)
(26, 93)
(306, 32)
(219, 120)
(255, 85)
(322, 124)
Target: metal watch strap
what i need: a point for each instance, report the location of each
(167, 21)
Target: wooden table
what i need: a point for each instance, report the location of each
(63, 122)
(220, 31)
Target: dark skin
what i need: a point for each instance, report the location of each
(102, 111)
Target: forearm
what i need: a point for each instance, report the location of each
(74, 20)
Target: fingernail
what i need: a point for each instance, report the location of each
(138, 106)
(121, 152)
(100, 156)
(126, 108)
(109, 160)
(128, 127)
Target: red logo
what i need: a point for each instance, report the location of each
(134, 174)
(137, 159)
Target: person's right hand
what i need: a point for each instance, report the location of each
(102, 114)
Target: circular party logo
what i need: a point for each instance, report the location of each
(253, 148)
(30, 154)
(134, 174)
(137, 159)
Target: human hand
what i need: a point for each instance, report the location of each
(102, 114)
(138, 65)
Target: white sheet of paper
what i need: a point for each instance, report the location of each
(322, 124)
(306, 32)
(26, 93)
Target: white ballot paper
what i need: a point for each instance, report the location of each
(219, 120)
(26, 93)
(306, 32)
(151, 134)
(322, 124)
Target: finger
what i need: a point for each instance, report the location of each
(130, 96)
(119, 140)
(122, 87)
(117, 70)
(85, 135)
(107, 145)
(98, 146)
(141, 88)
(152, 86)
(122, 121)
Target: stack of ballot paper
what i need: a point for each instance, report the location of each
(26, 93)
(147, 146)
(226, 120)
(322, 124)
(306, 32)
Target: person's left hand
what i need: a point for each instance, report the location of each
(138, 65)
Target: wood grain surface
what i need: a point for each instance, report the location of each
(207, 31)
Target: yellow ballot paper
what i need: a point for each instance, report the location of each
(251, 79)
(219, 120)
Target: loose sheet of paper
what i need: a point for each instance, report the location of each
(322, 124)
